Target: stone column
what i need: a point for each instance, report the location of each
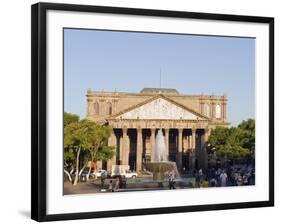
(112, 142)
(193, 139)
(89, 107)
(202, 151)
(167, 142)
(224, 111)
(201, 107)
(213, 106)
(102, 107)
(179, 153)
(152, 142)
(189, 142)
(139, 150)
(206, 137)
(120, 151)
(192, 151)
(125, 147)
(114, 105)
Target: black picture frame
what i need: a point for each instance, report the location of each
(39, 114)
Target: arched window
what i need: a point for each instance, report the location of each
(108, 108)
(207, 110)
(96, 108)
(218, 111)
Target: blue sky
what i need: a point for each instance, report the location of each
(130, 61)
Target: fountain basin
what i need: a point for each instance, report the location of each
(159, 169)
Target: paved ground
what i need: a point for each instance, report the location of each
(137, 184)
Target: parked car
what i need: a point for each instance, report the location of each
(97, 174)
(130, 174)
(122, 170)
(84, 174)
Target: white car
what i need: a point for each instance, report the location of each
(97, 174)
(130, 174)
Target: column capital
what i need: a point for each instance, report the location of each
(180, 130)
(153, 131)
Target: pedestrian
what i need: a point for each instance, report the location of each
(213, 182)
(171, 180)
(239, 180)
(197, 180)
(205, 183)
(245, 179)
(103, 177)
(110, 186)
(223, 179)
(117, 184)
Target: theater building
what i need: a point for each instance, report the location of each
(185, 120)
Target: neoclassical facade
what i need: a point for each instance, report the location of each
(185, 120)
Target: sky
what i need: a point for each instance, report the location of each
(130, 61)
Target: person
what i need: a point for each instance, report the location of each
(124, 181)
(201, 174)
(103, 177)
(171, 180)
(213, 182)
(239, 180)
(205, 183)
(197, 180)
(117, 183)
(223, 179)
(110, 186)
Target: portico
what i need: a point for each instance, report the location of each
(184, 131)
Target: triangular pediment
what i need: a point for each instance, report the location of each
(160, 108)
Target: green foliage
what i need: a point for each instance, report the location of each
(249, 134)
(69, 118)
(87, 136)
(69, 156)
(235, 142)
(106, 153)
(77, 135)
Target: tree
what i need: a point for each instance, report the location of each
(76, 137)
(69, 154)
(99, 149)
(68, 157)
(86, 139)
(69, 118)
(234, 148)
(249, 134)
(234, 143)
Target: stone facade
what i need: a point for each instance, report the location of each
(186, 121)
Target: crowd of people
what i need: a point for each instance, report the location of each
(236, 175)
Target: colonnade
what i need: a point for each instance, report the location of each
(187, 149)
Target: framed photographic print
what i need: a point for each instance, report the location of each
(140, 111)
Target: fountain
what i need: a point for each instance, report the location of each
(159, 164)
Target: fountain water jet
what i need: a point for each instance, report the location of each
(159, 163)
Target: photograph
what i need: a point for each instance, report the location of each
(156, 111)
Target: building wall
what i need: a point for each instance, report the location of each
(121, 101)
